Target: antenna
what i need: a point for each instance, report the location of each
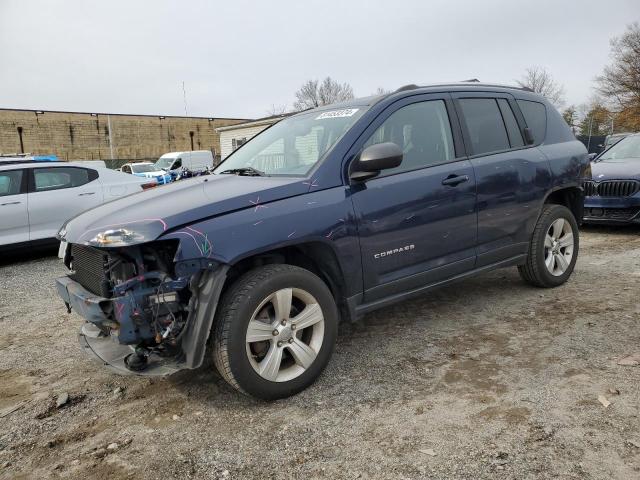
(184, 96)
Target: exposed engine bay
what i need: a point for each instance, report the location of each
(145, 303)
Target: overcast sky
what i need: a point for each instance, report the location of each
(239, 57)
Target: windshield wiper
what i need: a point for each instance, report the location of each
(247, 171)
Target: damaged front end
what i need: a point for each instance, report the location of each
(146, 312)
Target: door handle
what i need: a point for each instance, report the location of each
(86, 193)
(11, 203)
(453, 180)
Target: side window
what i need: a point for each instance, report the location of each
(485, 125)
(535, 114)
(513, 130)
(126, 169)
(47, 179)
(423, 132)
(10, 182)
(177, 164)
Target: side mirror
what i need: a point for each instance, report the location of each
(528, 136)
(375, 158)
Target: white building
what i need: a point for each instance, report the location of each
(234, 136)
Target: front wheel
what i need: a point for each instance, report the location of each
(274, 331)
(554, 248)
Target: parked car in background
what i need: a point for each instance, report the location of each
(327, 215)
(195, 161)
(613, 195)
(147, 170)
(611, 140)
(36, 198)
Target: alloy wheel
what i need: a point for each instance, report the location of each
(558, 247)
(285, 334)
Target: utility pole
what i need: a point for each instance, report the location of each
(110, 138)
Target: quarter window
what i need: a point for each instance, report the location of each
(47, 179)
(485, 125)
(535, 114)
(423, 132)
(513, 130)
(10, 182)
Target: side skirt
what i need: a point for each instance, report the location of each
(358, 309)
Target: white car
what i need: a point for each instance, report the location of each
(36, 198)
(147, 170)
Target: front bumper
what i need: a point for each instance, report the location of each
(206, 287)
(100, 346)
(612, 210)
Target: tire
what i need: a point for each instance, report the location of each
(548, 261)
(257, 300)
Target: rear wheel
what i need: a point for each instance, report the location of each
(275, 331)
(554, 248)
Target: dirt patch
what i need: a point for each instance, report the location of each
(492, 378)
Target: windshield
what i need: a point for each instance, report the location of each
(141, 168)
(164, 163)
(294, 145)
(628, 147)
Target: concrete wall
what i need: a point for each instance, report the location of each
(85, 136)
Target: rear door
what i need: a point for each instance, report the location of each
(417, 222)
(59, 193)
(14, 216)
(511, 177)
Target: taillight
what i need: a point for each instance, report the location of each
(147, 186)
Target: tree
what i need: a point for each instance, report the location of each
(620, 81)
(570, 116)
(275, 110)
(541, 81)
(381, 91)
(315, 94)
(596, 121)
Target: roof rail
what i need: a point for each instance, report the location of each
(12, 155)
(404, 88)
(14, 161)
(471, 82)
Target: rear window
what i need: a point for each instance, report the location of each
(485, 125)
(535, 114)
(61, 177)
(10, 182)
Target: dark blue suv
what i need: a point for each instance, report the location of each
(327, 215)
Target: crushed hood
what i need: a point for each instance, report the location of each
(161, 209)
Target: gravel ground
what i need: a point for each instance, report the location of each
(487, 379)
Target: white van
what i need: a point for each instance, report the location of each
(195, 161)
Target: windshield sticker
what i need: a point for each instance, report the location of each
(347, 112)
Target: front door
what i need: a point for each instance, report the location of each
(417, 223)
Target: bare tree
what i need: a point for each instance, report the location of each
(381, 91)
(315, 94)
(275, 110)
(620, 81)
(541, 81)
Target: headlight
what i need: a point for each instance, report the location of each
(62, 232)
(118, 237)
